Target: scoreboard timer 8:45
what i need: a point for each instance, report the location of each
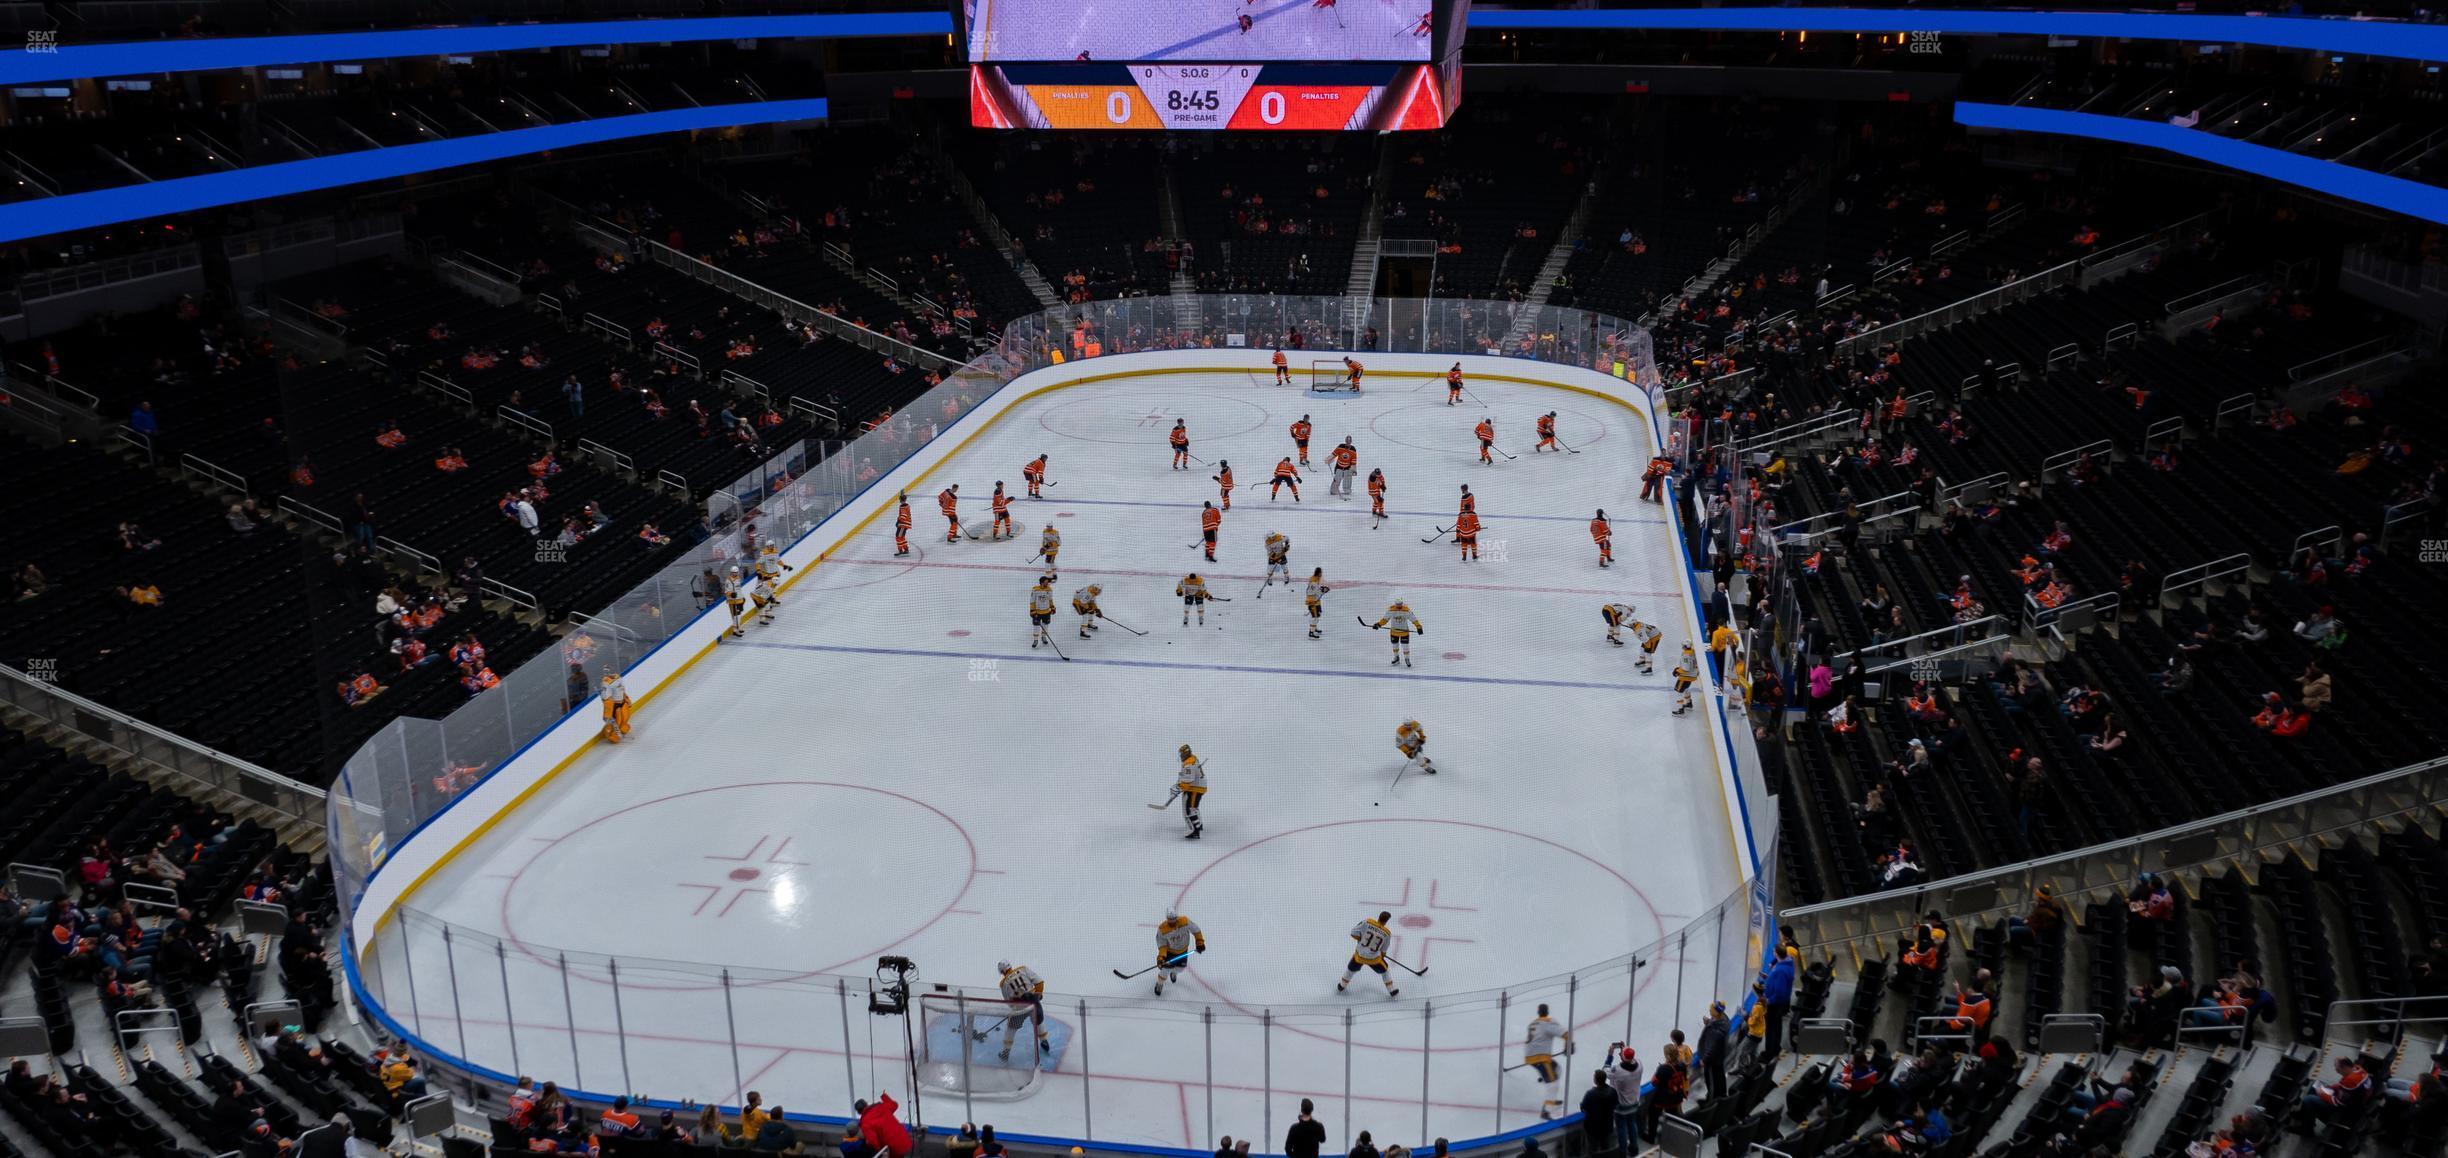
(1279, 95)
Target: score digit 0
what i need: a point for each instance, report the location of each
(1118, 106)
(1271, 107)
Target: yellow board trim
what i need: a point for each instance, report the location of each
(638, 701)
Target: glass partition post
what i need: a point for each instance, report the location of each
(1266, 1075)
(1504, 1003)
(1347, 1052)
(450, 967)
(960, 1003)
(501, 957)
(620, 1024)
(739, 1085)
(1207, 1021)
(569, 1017)
(1087, 1077)
(416, 1009)
(1682, 961)
(841, 987)
(1427, 1053)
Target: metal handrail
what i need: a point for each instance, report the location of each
(1806, 520)
(191, 464)
(1834, 420)
(680, 357)
(2407, 1011)
(57, 385)
(2233, 285)
(618, 459)
(298, 510)
(609, 328)
(424, 562)
(515, 596)
(2362, 351)
(1950, 494)
(2071, 455)
(743, 384)
(161, 749)
(1956, 629)
(445, 387)
(525, 421)
(2202, 574)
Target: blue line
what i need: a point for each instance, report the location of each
(2385, 38)
(1324, 509)
(179, 195)
(75, 62)
(1248, 669)
(2411, 198)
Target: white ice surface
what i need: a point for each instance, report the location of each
(891, 768)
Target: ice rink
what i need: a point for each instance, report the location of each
(891, 768)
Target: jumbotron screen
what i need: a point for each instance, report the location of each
(1200, 30)
(1313, 65)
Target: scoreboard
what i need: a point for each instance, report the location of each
(1239, 65)
(1313, 97)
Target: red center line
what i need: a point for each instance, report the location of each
(1405, 583)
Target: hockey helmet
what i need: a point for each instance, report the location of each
(1003, 966)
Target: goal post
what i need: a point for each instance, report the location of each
(1329, 376)
(960, 1046)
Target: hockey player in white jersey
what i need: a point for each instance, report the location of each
(1400, 624)
(1279, 559)
(1176, 938)
(1022, 984)
(1315, 600)
(1084, 601)
(1041, 612)
(735, 599)
(769, 569)
(1541, 1045)
(1369, 941)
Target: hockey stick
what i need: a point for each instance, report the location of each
(1120, 624)
(1466, 393)
(1196, 459)
(1408, 969)
(1567, 447)
(1367, 624)
(1441, 533)
(1398, 775)
(1056, 646)
(1168, 801)
(1500, 450)
(1569, 1047)
(1172, 964)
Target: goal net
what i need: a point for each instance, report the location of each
(961, 1043)
(1329, 374)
